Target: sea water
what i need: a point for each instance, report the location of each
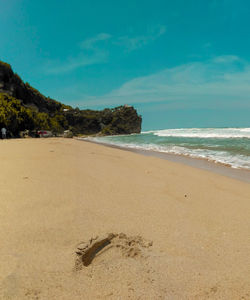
(230, 146)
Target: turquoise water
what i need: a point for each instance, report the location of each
(229, 146)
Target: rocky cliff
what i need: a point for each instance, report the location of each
(23, 107)
(13, 85)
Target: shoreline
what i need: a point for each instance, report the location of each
(200, 163)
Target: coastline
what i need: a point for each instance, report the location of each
(185, 231)
(200, 163)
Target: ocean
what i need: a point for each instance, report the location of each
(228, 146)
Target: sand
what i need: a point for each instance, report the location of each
(177, 232)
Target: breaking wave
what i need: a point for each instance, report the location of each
(230, 146)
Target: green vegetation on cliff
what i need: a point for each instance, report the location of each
(23, 107)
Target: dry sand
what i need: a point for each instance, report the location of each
(57, 193)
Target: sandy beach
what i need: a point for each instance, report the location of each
(179, 232)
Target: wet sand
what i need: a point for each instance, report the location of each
(178, 232)
(204, 164)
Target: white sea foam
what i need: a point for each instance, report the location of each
(205, 132)
(213, 144)
(235, 161)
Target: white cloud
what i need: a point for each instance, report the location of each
(73, 63)
(91, 42)
(94, 55)
(94, 50)
(220, 82)
(226, 59)
(133, 43)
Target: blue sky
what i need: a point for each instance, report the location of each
(180, 63)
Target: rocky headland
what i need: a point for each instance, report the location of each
(22, 107)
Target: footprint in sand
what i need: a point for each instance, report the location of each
(123, 266)
(134, 246)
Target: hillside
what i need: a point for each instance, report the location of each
(24, 108)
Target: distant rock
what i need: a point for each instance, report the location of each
(68, 134)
